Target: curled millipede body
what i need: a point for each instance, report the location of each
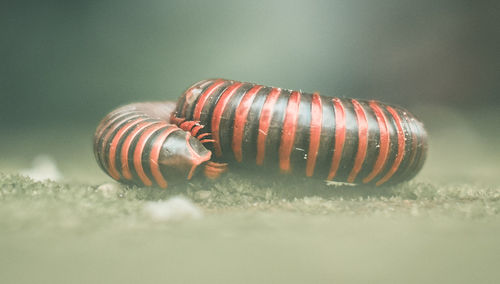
(284, 131)
(136, 144)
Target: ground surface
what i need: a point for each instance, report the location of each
(443, 227)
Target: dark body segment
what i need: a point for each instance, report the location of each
(283, 131)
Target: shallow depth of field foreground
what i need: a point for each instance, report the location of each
(442, 227)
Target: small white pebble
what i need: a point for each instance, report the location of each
(174, 209)
(109, 189)
(43, 167)
(201, 195)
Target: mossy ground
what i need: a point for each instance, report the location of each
(442, 227)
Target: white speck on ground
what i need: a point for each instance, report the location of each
(176, 208)
(109, 189)
(44, 167)
(201, 195)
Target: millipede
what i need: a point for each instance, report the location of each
(285, 131)
(222, 124)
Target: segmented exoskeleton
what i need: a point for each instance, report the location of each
(280, 130)
(137, 144)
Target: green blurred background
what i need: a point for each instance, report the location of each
(73, 61)
(65, 64)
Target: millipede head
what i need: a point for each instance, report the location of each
(180, 156)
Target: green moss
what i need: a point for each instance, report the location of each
(28, 204)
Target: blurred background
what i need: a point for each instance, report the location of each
(65, 64)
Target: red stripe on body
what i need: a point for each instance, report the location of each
(188, 95)
(114, 144)
(401, 148)
(384, 142)
(116, 121)
(139, 148)
(126, 146)
(289, 129)
(340, 130)
(155, 155)
(264, 122)
(240, 120)
(217, 114)
(315, 133)
(116, 117)
(362, 140)
(204, 97)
